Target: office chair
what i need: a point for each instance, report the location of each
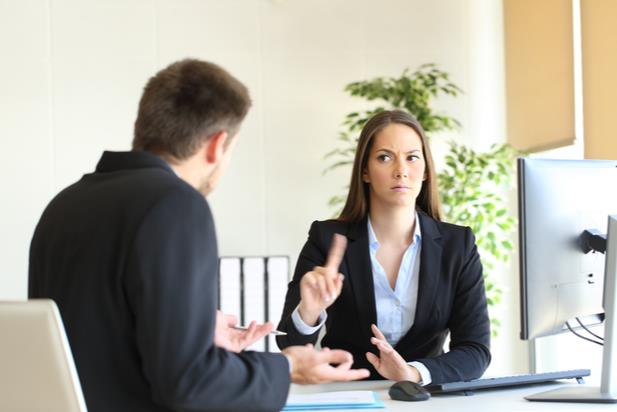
(37, 372)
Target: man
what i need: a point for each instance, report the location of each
(129, 254)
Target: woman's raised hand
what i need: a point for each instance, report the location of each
(320, 287)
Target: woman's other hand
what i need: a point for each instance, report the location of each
(390, 364)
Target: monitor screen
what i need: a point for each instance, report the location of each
(558, 200)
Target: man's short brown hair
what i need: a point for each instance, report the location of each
(186, 103)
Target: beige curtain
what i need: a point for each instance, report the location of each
(539, 73)
(599, 44)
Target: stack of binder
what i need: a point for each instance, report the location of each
(254, 288)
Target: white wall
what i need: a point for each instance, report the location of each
(72, 73)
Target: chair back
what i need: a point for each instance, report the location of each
(37, 372)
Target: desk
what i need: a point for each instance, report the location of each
(494, 400)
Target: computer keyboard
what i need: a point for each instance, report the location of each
(514, 380)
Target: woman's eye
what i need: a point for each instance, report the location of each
(413, 158)
(383, 157)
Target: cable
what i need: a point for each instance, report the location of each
(588, 331)
(584, 337)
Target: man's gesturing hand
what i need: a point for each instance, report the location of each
(311, 366)
(226, 337)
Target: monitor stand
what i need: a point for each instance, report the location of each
(607, 392)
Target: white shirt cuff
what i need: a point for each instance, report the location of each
(289, 362)
(425, 375)
(305, 329)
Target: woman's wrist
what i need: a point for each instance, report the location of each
(413, 374)
(308, 316)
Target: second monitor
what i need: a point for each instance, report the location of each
(558, 200)
(560, 203)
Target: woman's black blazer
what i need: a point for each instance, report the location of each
(451, 299)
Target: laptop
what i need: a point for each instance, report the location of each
(37, 371)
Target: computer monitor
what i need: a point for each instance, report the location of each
(558, 201)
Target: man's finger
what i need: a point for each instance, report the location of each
(337, 251)
(230, 320)
(342, 375)
(345, 365)
(255, 332)
(251, 332)
(335, 356)
(252, 327)
(263, 330)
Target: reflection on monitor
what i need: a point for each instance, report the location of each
(558, 200)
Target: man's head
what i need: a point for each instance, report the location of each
(187, 107)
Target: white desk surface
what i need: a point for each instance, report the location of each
(494, 400)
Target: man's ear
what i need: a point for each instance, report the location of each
(215, 146)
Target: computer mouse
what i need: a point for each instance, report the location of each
(408, 391)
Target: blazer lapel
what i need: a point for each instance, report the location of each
(361, 282)
(430, 267)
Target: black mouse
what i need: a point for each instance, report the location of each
(408, 391)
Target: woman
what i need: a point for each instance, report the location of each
(406, 278)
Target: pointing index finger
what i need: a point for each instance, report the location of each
(337, 251)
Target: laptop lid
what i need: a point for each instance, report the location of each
(37, 371)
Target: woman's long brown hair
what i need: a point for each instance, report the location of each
(357, 205)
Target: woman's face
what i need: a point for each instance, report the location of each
(396, 167)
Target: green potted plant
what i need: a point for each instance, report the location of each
(471, 184)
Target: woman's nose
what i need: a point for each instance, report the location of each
(400, 171)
